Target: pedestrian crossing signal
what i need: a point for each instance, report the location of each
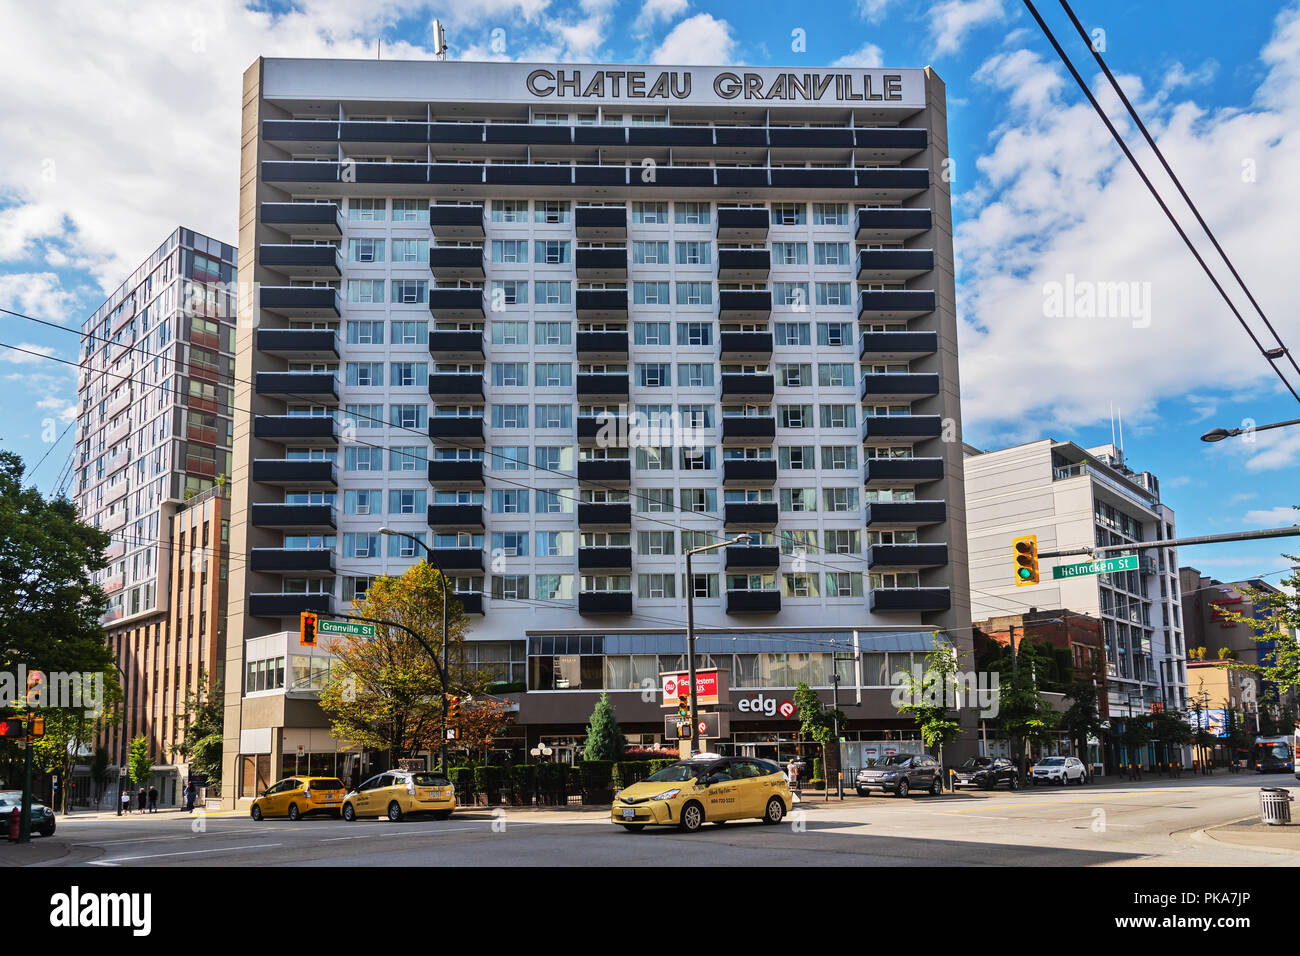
(13, 728)
(307, 628)
(1025, 553)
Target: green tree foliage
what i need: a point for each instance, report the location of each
(385, 693)
(1277, 622)
(605, 741)
(204, 721)
(924, 697)
(139, 762)
(66, 732)
(1082, 719)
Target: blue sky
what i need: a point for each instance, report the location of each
(135, 130)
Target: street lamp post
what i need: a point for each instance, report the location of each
(690, 623)
(1219, 434)
(442, 749)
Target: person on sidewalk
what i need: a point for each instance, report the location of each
(153, 799)
(126, 802)
(140, 798)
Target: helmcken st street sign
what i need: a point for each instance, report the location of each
(1103, 566)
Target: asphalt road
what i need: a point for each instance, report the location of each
(1111, 824)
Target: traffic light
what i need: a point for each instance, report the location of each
(683, 705)
(453, 708)
(38, 725)
(307, 628)
(1025, 552)
(13, 727)
(683, 730)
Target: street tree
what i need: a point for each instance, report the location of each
(204, 721)
(925, 697)
(385, 692)
(1276, 623)
(67, 731)
(605, 741)
(1082, 719)
(817, 722)
(479, 723)
(139, 761)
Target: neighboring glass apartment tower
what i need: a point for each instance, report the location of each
(153, 431)
(1074, 497)
(562, 323)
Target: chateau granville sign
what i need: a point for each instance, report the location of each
(877, 87)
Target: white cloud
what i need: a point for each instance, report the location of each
(873, 11)
(1054, 198)
(38, 294)
(952, 20)
(654, 12)
(1178, 75)
(699, 39)
(24, 357)
(867, 56)
(1272, 517)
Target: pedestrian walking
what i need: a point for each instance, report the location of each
(153, 799)
(141, 797)
(126, 802)
(189, 797)
(792, 771)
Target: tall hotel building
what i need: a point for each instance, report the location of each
(1072, 497)
(152, 455)
(468, 274)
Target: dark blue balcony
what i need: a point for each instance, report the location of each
(300, 260)
(305, 220)
(295, 171)
(905, 514)
(456, 132)
(288, 605)
(452, 263)
(604, 559)
(456, 386)
(457, 473)
(744, 265)
(300, 345)
(894, 139)
(600, 264)
(907, 427)
(888, 472)
(907, 556)
(892, 223)
(753, 602)
(305, 518)
(917, 600)
(744, 305)
(753, 558)
(456, 346)
(300, 131)
(602, 304)
(296, 429)
(747, 386)
(760, 515)
(456, 304)
(755, 136)
(458, 559)
(743, 225)
(471, 602)
(602, 346)
(892, 265)
(748, 429)
(309, 562)
(359, 132)
(300, 301)
(749, 472)
(797, 178)
(296, 472)
(608, 472)
(611, 430)
(456, 517)
(893, 182)
(604, 515)
(898, 386)
(605, 602)
(881, 304)
(318, 388)
(600, 222)
(897, 346)
(456, 223)
(602, 386)
(456, 429)
(745, 346)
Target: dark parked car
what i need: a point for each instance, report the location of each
(41, 816)
(900, 774)
(986, 773)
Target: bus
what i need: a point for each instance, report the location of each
(1276, 754)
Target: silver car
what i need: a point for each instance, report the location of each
(1060, 770)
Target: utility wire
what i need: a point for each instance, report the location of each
(1146, 180)
(1096, 54)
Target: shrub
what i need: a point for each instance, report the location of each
(660, 763)
(489, 780)
(551, 781)
(818, 773)
(462, 779)
(628, 772)
(523, 783)
(649, 753)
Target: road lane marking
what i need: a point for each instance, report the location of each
(153, 856)
(1055, 803)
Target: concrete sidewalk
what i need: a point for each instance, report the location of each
(40, 850)
(1249, 832)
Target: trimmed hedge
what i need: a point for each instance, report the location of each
(490, 780)
(462, 778)
(628, 772)
(552, 782)
(523, 783)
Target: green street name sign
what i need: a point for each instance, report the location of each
(1103, 566)
(345, 628)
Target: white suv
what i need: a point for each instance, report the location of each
(1060, 770)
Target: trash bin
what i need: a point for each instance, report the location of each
(1274, 806)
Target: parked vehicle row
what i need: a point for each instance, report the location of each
(394, 794)
(900, 774)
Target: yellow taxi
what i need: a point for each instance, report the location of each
(396, 793)
(708, 788)
(295, 797)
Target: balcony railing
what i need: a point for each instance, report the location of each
(753, 602)
(919, 600)
(605, 602)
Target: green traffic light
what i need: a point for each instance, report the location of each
(1025, 574)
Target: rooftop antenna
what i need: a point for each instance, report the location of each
(1121, 433)
(439, 41)
(379, 45)
(1112, 422)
